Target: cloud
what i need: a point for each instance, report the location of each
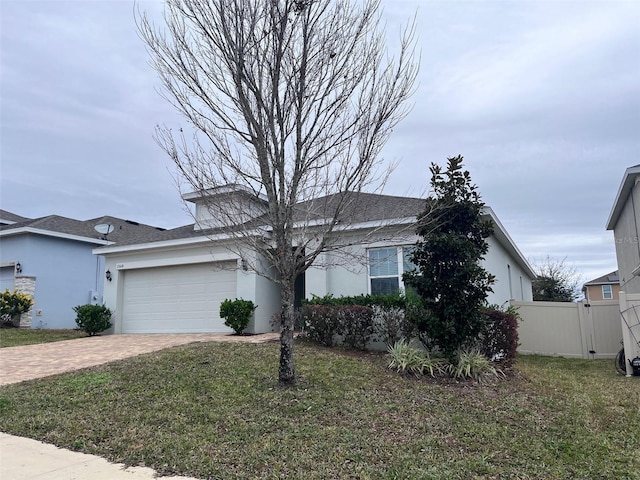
(542, 99)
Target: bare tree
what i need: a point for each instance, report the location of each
(556, 281)
(292, 101)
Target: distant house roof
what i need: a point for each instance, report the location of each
(81, 230)
(7, 218)
(628, 180)
(608, 279)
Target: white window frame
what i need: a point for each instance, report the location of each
(610, 293)
(399, 261)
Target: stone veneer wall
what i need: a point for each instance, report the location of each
(26, 285)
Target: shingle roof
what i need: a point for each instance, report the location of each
(357, 208)
(8, 217)
(609, 278)
(360, 207)
(124, 230)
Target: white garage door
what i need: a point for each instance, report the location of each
(177, 299)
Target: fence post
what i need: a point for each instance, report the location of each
(585, 323)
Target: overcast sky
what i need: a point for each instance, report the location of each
(542, 98)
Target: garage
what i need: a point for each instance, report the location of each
(177, 299)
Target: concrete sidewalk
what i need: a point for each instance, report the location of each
(27, 459)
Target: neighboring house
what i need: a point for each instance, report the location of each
(624, 220)
(51, 259)
(7, 218)
(606, 287)
(176, 281)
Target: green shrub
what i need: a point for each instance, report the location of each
(356, 325)
(93, 319)
(473, 364)
(321, 323)
(383, 300)
(12, 305)
(237, 313)
(499, 339)
(405, 358)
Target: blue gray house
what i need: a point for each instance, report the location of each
(51, 259)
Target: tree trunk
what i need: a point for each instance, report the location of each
(286, 372)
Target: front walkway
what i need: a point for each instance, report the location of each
(28, 362)
(27, 459)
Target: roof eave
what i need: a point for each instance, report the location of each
(628, 181)
(507, 242)
(176, 242)
(52, 233)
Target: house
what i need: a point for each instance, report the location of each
(624, 220)
(176, 281)
(606, 287)
(51, 259)
(7, 218)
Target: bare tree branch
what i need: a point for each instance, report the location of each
(291, 101)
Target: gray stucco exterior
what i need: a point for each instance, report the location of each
(625, 223)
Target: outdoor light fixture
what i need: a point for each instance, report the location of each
(245, 267)
(18, 268)
(108, 275)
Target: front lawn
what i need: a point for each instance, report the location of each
(214, 411)
(13, 337)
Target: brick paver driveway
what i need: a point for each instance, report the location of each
(27, 362)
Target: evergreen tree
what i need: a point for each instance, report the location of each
(448, 278)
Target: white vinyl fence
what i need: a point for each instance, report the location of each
(579, 330)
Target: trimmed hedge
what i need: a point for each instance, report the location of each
(358, 320)
(321, 324)
(389, 300)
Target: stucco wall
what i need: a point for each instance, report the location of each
(594, 292)
(511, 282)
(65, 271)
(347, 274)
(627, 238)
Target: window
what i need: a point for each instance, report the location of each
(607, 292)
(386, 266)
